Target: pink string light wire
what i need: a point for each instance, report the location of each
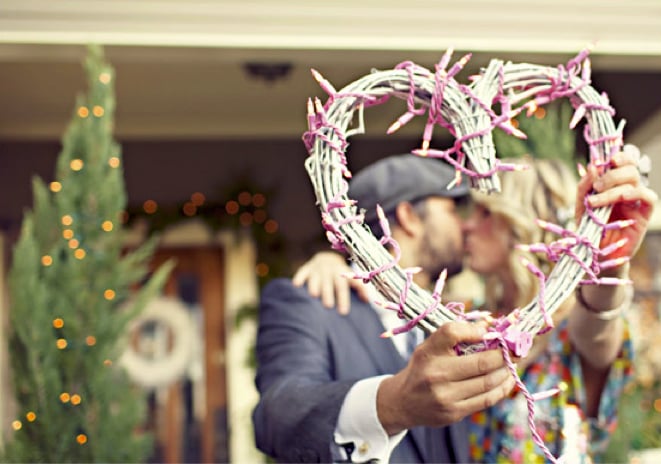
(466, 112)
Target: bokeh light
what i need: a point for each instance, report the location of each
(76, 164)
(258, 200)
(271, 226)
(198, 198)
(245, 198)
(262, 269)
(150, 206)
(232, 207)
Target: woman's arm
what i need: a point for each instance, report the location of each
(595, 328)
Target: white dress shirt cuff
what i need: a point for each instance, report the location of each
(358, 423)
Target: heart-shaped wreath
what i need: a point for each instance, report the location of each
(467, 112)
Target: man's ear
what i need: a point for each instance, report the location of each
(408, 220)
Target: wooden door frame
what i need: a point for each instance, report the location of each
(207, 262)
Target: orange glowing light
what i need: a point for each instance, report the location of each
(61, 343)
(73, 243)
(75, 399)
(81, 438)
(17, 425)
(76, 164)
(109, 294)
(189, 209)
(67, 234)
(245, 198)
(258, 200)
(150, 206)
(31, 416)
(232, 207)
(271, 226)
(46, 260)
(198, 198)
(58, 323)
(65, 397)
(104, 78)
(67, 220)
(98, 111)
(245, 219)
(114, 162)
(262, 269)
(55, 187)
(79, 253)
(83, 112)
(259, 216)
(107, 226)
(657, 405)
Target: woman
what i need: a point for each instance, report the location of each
(577, 422)
(588, 354)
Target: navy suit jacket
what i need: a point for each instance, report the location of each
(308, 358)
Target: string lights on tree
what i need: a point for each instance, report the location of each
(68, 285)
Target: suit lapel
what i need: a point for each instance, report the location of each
(368, 328)
(459, 440)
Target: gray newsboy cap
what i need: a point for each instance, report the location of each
(400, 178)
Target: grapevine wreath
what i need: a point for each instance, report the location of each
(162, 371)
(495, 96)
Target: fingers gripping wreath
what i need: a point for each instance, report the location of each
(470, 112)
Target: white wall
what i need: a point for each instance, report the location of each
(241, 289)
(4, 368)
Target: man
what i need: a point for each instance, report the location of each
(332, 390)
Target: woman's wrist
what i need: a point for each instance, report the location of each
(601, 314)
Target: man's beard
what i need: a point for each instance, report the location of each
(434, 260)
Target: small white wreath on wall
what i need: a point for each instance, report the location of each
(161, 371)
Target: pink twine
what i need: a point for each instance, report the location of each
(501, 332)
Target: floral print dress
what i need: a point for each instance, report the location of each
(501, 434)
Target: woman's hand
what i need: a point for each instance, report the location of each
(326, 275)
(621, 186)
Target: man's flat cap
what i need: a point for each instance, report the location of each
(400, 178)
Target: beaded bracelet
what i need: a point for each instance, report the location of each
(608, 315)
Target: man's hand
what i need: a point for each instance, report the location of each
(438, 386)
(325, 274)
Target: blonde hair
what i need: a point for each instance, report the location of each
(546, 190)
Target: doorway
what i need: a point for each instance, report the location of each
(189, 416)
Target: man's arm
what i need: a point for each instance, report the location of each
(299, 403)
